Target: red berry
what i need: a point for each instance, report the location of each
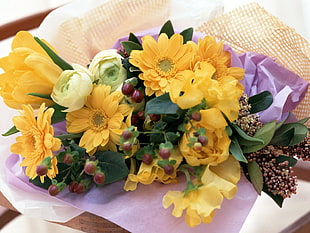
(197, 146)
(53, 190)
(164, 153)
(127, 89)
(68, 158)
(71, 186)
(147, 159)
(196, 116)
(155, 117)
(134, 120)
(137, 96)
(41, 170)
(141, 115)
(203, 140)
(90, 168)
(168, 169)
(99, 178)
(79, 188)
(126, 134)
(127, 146)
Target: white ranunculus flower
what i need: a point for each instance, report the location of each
(107, 68)
(72, 87)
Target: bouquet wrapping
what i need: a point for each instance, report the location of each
(266, 62)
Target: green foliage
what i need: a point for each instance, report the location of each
(277, 198)
(264, 133)
(43, 96)
(132, 37)
(256, 176)
(289, 134)
(167, 28)
(56, 59)
(162, 105)
(113, 165)
(236, 150)
(145, 150)
(187, 35)
(129, 46)
(11, 131)
(260, 101)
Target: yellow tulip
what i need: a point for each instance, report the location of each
(27, 69)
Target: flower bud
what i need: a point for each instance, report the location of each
(108, 69)
(72, 87)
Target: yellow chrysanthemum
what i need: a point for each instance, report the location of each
(101, 120)
(27, 69)
(37, 141)
(161, 61)
(147, 174)
(217, 148)
(200, 205)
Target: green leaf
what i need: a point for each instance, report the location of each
(113, 165)
(277, 198)
(283, 138)
(300, 132)
(291, 161)
(56, 59)
(161, 105)
(236, 150)
(58, 115)
(11, 131)
(133, 38)
(167, 28)
(129, 46)
(256, 176)
(187, 35)
(245, 139)
(69, 136)
(43, 96)
(265, 133)
(260, 101)
(173, 137)
(303, 121)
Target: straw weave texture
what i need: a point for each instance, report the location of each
(252, 29)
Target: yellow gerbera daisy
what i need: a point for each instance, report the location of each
(37, 141)
(101, 120)
(213, 52)
(161, 61)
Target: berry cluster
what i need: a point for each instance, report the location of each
(300, 151)
(278, 176)
(249, 123)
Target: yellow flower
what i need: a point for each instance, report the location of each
(37, 141)
(102, 120)
(27, 69)
(188, 89)
(213, 52)
(200, 205)
(147, 174)
(161, 61)
(217, 148)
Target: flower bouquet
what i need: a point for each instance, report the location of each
(159, 106)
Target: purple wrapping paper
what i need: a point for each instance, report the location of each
(141, 210)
